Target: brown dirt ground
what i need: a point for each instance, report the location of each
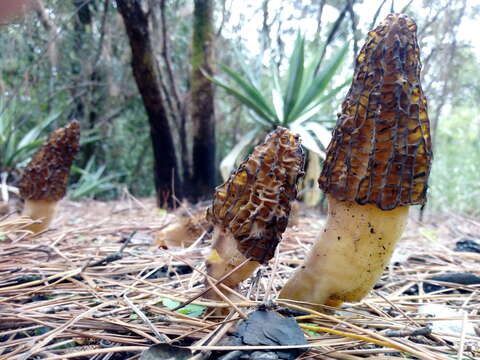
(53, 305)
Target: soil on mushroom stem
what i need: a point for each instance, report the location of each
(51, 308)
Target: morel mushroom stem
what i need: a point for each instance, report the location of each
(377, 165)
(42, 211)
(44, 181)
(250, 210)
(230, 258)
(351, 254)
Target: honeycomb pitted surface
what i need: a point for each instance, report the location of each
(254, 203)
(46, 175)
(380, 150)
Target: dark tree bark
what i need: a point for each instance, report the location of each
(52, 30)
(202, 104)
(146, 74)
(88, 98)
(83, 96)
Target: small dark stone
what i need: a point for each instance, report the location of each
(413, 290)
(291, 312)
(182, 269)
(164, 272)
(165, 351)
(268, 328)
(261, 328)
(231, 340)
(467, 245)
(263, 355)
(418, 259)
(232, 355)
(454, 278)
(27, 279)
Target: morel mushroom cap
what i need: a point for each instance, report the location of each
(254, 203)
(380, 152)
(46, 176)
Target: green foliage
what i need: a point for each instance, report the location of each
(192, 310)
(310, 332)
(454, 180)
(295, 102)
(18, 141)
(92, 181)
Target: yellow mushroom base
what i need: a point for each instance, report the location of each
(42, 211)
(351, 255)
(175, 235)
(223, 258)
(183, 232)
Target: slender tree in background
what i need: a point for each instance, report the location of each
(87, 103)
(146, 74)
(202, 101)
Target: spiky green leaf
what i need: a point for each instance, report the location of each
(295, 77)
(320, 83)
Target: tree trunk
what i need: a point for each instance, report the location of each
(146, 74)
(202, 105)
(52, 30)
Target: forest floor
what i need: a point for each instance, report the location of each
(95, 286)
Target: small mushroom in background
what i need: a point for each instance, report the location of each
(377, 165)
(44, 181)
(250, 210)
(187, 228)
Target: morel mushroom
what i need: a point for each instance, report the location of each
(44, 181)
(185, 230)
(377, 165)
(250, 210)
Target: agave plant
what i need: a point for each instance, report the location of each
(295, 101)
(17, 143)
(92, 181)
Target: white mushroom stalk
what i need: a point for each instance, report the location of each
(377, 166)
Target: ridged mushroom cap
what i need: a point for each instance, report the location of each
(254, 203)
(46, 175)
(380, 151)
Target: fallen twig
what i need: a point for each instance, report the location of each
(423, 331)
(114, 256)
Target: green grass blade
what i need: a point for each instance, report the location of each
(35, 132)
(295, 77)
(321, 81)
(278, 104)
(321, 133)
(244, 100)
(23, 152)
(334, 91)
(277, 98)
(309, 71)
(316, 108)
(249, 90)
(308, 114)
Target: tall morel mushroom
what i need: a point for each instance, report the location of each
(377, 165)
(44, 180)
(250, 210)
